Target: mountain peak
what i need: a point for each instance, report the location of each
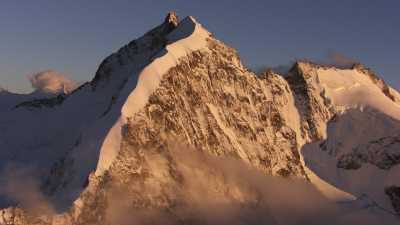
(139, 51)
(172, 18)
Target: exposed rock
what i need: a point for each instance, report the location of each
(17, 216)
(172, 18)
(394, 195)
(42, 103)
(314, 108)
(383, 153)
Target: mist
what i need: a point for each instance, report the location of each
(220, 190)
(20, 186)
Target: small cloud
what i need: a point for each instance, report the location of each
(340, 60)
(50, 81)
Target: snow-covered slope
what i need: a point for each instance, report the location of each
(173, 129)
(356, 147)
(353, 89)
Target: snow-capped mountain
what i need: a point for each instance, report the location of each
(173, 129)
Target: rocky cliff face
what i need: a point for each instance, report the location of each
(181, 107)
(314, 107)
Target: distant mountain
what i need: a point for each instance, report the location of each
(173, 129)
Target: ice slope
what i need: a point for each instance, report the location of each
(349, 88)
(363, 115)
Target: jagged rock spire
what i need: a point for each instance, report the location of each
(172, 18)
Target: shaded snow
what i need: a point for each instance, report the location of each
(365, 114)
(368, 180)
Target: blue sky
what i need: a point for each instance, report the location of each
(73, 37)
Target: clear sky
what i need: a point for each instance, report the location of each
(73, 37)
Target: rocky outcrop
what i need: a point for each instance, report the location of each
(42, 103)
(383, 153)
(12, 216)
(17, 216)
(315, 109)
(393, 193)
